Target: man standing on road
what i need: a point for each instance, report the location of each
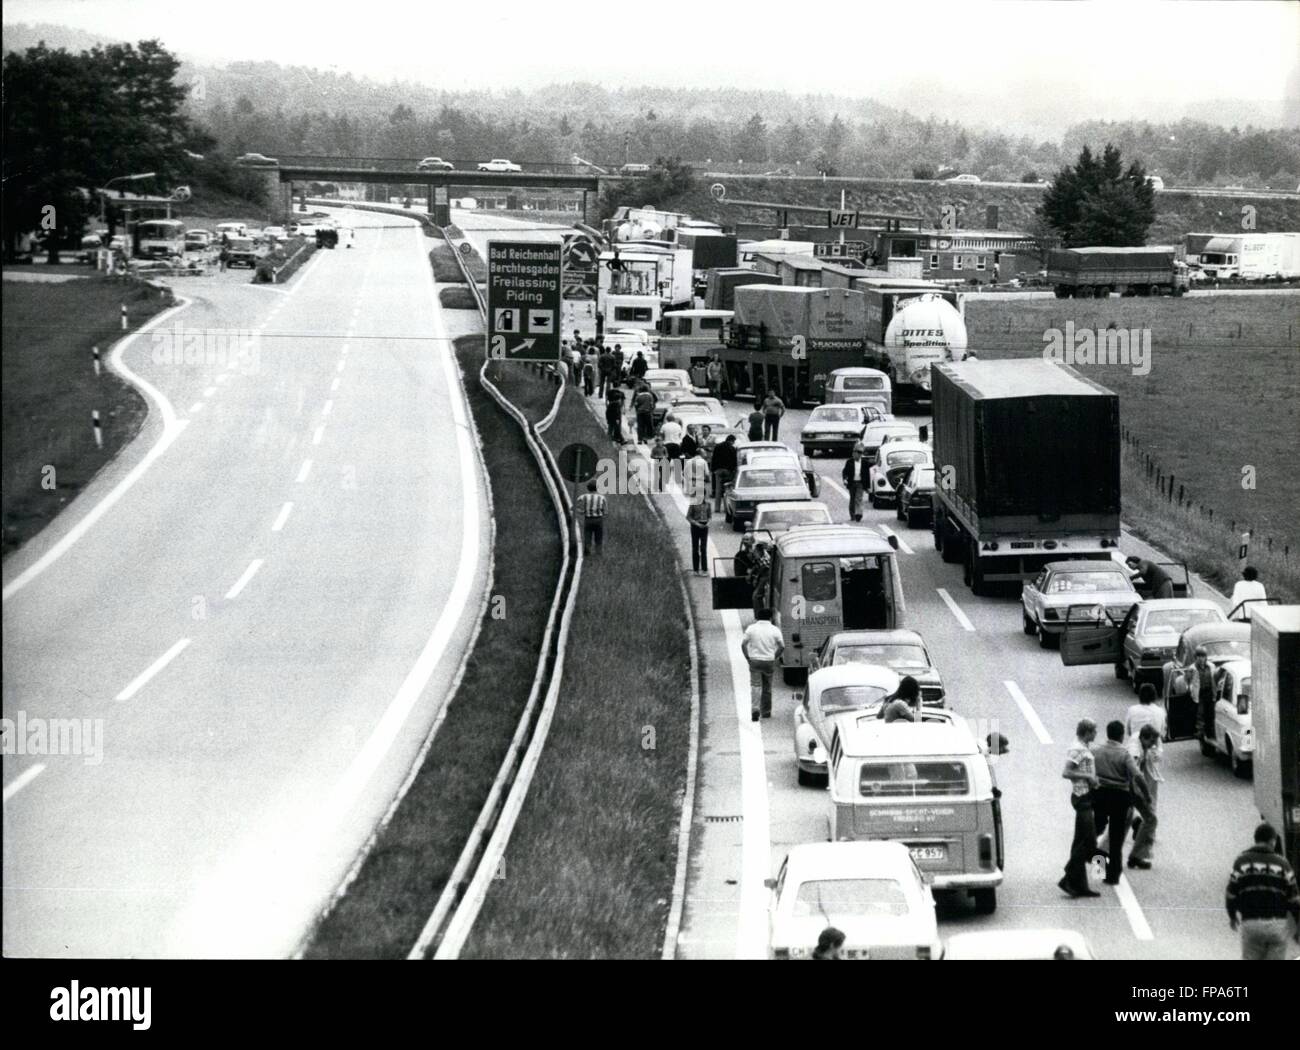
(699, 514)
(1119, 782)
(762, 646)
(724, 469)
(1200, 686)
(773, 410)
(1262, 896)
(672, 435)
(1145, 823)
(606, 364)
(1248, 589)
(1146, 712)
(1081, 771)
(618, 363)
(590, 509)
(589, 366)
(713, 375)
(1159, 581)
(639, 366)
(614, 414)
(644, 403)
(695, 478)
(857, 476)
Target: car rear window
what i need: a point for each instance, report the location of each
(1179, 619)
(887, 655)
(912, 779)
(1086, 582)
(812, 516)
(851, 697)
(906, 459)
(759, 478)
(835, 415)
(863, 383)
(833, 897)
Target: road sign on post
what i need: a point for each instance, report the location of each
(523, 301)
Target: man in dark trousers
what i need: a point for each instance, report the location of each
(614, 413)
(773, 410)
(639, 365)
(1081, 771)
(1119, 781)
(857, 476)
(644, 403)
(1262, 899)
(590, 510)
(724, 469)
(618, 363)
(1160, 582)
(606, 364)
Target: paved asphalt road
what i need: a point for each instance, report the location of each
(747, 770)
(266, 622)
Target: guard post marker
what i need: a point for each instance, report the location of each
(99, 431)
(1244, 549)
(94, 351)
(124, 317)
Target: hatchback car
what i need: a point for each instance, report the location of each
(893, 461)
(1140, 643)
(1046, 599)
(692, 411)
(878, 433)
(197, 240)
(903, 652)
(850, 689)
(916, 495)
(435, 164)
(763, 481)
(835, 428)
(872, 891)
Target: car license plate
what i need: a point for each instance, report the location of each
(929, 852)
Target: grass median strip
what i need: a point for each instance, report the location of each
(51, 389)
(589, 869)
(386, 906)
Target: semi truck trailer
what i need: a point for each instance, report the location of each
(1027, 468)
(1275, 719)
(1252, 257)
(1083, 273)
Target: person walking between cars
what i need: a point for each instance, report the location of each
(754, 421)
(1262, 899)
(903, 704)
(1146, 712)
(639, 366)
(1081, 771)
(724, 469)
(695, 478)
(1247, 590)
(606, 366)
(857, 477)
(672, 435)
(658, 457)
(773, 410)
(1119, 784)
(1200, 686)
(590, 508)
(760, 575)
(589, 374)
(1145, 823)
(762, 646)
(618, 363)
(614, 414)
(644, 403)
(699, 514)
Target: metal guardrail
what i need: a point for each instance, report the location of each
(448, 926)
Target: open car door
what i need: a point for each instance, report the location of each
(729, 590)
(1090, 637)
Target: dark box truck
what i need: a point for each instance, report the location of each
(1026, 456)
(720, 287)
(1275, 719)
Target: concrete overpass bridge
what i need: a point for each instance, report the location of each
(283, 173)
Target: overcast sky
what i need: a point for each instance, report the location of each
(1096, 48)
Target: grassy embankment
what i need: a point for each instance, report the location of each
(50, 390)
(589, 869)
(1222, 395)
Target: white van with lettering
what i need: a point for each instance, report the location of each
(928, 785)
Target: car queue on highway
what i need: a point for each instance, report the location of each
(915, 811)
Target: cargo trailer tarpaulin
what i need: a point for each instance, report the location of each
(523, 301)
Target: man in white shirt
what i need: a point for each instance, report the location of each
(762, 645)
(1247, 589)
(1146, 712)
(695, 478)
(671, 431)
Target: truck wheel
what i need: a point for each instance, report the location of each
(986, 900)
(936, 527)
(978, 585)
(1121, 670)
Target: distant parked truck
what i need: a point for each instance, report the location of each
(1014, 487)
(1252, 257)
(1083, 273)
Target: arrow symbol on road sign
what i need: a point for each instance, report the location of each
(522, 346)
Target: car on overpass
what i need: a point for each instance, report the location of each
(435, 164)
(254, 159)
(963, 178)
(499, 164)
(634, 169)
(872, 891)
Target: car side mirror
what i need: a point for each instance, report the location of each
(893, 541)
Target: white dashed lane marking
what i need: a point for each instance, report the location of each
(282, 517)
(242, 582)
(142, 679)
(303, 471)
(1027, 709)
(955, 609)
(23, 779)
